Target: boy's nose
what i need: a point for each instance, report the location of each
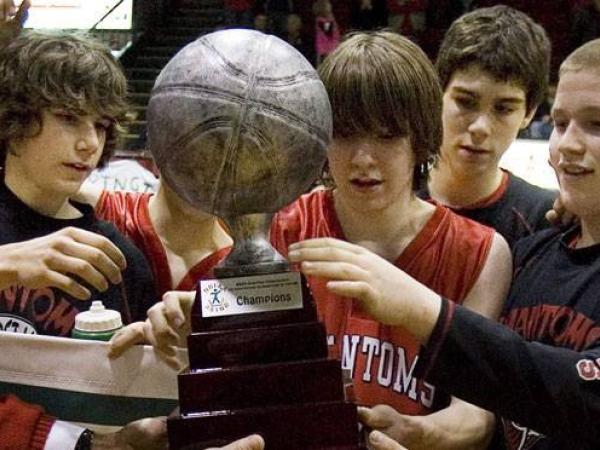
(480, 128)
(570, 141)
(89, 137)
(363, 154)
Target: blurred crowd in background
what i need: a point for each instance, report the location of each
(315, 27)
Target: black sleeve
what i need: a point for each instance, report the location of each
(552, 390)
(138, 287)
(139, 282)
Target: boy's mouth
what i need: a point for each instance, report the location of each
(574, 169)
(365, 183)
(78, 167)
(475, 150)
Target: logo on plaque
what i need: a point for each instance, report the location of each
(214, 301)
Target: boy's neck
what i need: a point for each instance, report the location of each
(459, 190)
(387, 232)
(56, 207)
(590, 232)
(182, 230)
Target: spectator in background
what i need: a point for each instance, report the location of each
(12, 20)
(238, 13)
(277, 12)
(297, 37)
(327, 32)
(541, 126)
(586, 24)
(407, 17)
(7, 9)
(368, 14)
(261, 23)
(439, 15)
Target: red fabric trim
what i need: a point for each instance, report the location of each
(131, 215)
(425, 236)
(202, 270)
(494, 197)
(441, 332)
(38, 440)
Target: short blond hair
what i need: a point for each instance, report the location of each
(586, 57)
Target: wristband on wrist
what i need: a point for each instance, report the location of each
(85, 440)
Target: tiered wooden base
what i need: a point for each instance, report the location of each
(264, 373)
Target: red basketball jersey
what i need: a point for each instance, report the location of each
(129, 212)
(447, 255)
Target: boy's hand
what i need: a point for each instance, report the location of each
(167, 326)
(354, 272)
(11, 27)
(151, 434)
(559, 216)
(379, 441)
(409, 430)
(254, 442)
(59, 259)
(387, 293)
(143, 434)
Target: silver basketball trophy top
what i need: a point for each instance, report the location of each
(240, 123)
(239, 126)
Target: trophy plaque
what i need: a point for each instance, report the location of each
(239, 126)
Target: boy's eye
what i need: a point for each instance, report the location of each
(504, 109)
(67, 117)
(466, 102)
(560, 124)
(594, 126)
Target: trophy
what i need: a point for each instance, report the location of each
(240, 126)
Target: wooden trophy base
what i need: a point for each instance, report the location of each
(262, 372)
(309, 426)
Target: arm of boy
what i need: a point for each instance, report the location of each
(559, 216)
(166, 328)
(460, 425)
(379, 441)
(498, 367)
(10, 27)
(58, 259)
(151, 434)
(254, 442)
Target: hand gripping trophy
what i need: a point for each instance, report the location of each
(240, 127)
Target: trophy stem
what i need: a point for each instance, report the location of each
(252, 253)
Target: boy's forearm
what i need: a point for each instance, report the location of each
(8, 266)
(417, 308)
(536, 385)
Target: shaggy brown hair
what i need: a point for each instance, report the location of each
(502, 41)
(382, 83)
(74, 73)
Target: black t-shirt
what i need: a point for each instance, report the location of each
(541, 371)
(518, 213)
(51, 311)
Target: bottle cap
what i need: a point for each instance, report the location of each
(98, 319)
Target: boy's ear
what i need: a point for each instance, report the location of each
(528, 118)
